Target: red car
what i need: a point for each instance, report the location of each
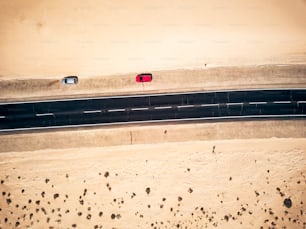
(144, 77)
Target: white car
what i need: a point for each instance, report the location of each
(70, 80)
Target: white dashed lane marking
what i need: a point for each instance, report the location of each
(140, 109)
(282, 102)
(254, 103)
(185, 106)
(89, 112)
(209, 105)
(170, 107)
(45, 114)
(160, 108)
(2, 116)
(234, 104)
(116, 110)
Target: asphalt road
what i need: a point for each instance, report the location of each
(287, 103)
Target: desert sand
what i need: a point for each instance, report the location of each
(167, 176)
(54, 38)
(197, 184)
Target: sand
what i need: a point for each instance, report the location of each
(43, 38)
(196, 184)
(160, 176)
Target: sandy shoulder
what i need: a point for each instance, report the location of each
(150, 134)
(204, 79)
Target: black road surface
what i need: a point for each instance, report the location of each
(288, 103)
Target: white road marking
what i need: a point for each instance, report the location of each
(159, 108)
(140, 109)
(146, 95)
(95, 111)
(209, 105)
(2, 116)
(234, 104)
(254, 103)
(301, 101)
(44, 114)
(185, 106)
(116, 110)
(282, 102)
(157, 121)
